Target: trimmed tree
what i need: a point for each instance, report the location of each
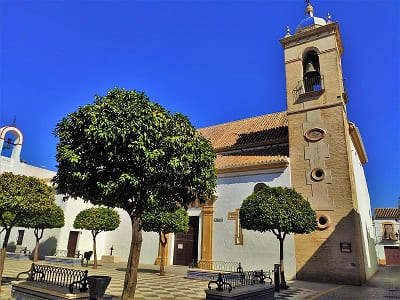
(97, 219)
(53, 217)
(124, 149)
(21, 197)
(281, 211)
(164, 222)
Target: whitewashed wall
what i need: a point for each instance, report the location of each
(364, 209)
(260, 250)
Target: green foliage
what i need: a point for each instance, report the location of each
(53, 217)
(158, 220)
(23, 197)
(123, 149)
(279, 210)
(97, 219)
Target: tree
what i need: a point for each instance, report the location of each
(281, 211)
(20, 197)
(163, 222)
(123, 150)
(97, 219)
(53, 217)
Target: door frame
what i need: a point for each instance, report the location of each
(192, 212)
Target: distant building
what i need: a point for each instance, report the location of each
(387, 230)
(312, 147)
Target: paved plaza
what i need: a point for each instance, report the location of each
(384, 285)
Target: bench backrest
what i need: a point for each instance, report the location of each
(65, 277)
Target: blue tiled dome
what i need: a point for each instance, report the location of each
(310, 20)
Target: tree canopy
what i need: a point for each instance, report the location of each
(53, 217)
(21, 197)
(124, 148)
(279, 210)
(97, 219)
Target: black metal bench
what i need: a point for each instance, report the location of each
(86, 256)
(54, 280)
(241, 285)
(25, 251)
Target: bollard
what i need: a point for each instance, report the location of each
(276, 276)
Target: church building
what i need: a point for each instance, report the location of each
(311, 147)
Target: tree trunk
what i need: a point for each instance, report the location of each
(94, 253)
(3, 253)
(163, 243)
(36, 253)
(133, 261)
(283, 281)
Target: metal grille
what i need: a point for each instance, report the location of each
(232, 280)
(64, 277)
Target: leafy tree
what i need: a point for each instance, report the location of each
(124, 149)
(53, 217)
(97, 219)
(164, 222)
(20, 197)
(281, 211)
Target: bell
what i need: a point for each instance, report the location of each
(310, 71)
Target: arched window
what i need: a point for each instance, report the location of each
(311, 71)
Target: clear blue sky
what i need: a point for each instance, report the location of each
(214, 61)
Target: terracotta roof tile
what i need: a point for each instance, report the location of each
(388, 213)
(270, 155)
(248, 132)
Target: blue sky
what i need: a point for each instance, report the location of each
(214, 61)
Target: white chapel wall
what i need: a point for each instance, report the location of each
(260, 250)
(364, 209)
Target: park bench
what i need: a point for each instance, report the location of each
(51, 282)
(86, 256)
(241, 285)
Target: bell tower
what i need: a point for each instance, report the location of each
(320, 152)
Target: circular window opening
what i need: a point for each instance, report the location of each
(323, 222)
(259, 186)
(317, 174)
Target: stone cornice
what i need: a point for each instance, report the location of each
(253, 167)
(358, 143)
(313, 33)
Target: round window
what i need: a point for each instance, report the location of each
(314, 134)
(323, 222)
(317, 174)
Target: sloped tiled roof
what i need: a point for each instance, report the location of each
(271, 155)
(387, 213)
(251, 132)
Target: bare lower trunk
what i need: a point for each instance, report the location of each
(133, 261)
(283, 281)
(163, 243)
(36, 253)
(3, 253)
(94, 254)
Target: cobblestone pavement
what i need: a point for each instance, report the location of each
(150, 285)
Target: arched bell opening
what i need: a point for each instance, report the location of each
(311, 71)
(11, 140)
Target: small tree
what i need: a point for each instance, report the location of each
(20, 197)
(164, 222)
(97, 219)
(124, 149)
(53, 217)
(281, 211)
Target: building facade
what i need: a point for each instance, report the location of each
(387, 232)
(312, 147)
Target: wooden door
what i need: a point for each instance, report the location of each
(392, 255)
(72, 241)
(185, 247)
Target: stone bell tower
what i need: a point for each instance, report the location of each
(320, 152)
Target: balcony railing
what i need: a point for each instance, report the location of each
(309, 87)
